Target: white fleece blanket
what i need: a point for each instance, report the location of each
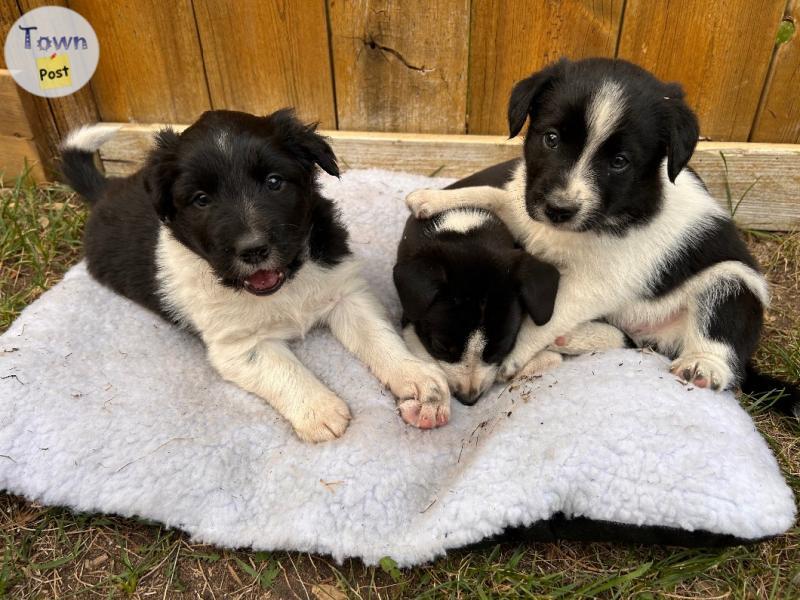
(104, 407)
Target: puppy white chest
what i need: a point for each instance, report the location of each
(191, 291)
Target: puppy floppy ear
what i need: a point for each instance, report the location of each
(417, 282)
(160, 172)
(303, 140)
(526, 93)
(538, 287)
(683, 131)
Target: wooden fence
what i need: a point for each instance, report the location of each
(414, 66)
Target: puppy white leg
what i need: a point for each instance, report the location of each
(270, 370)
(589, 337)
(426, 203)
(541, 363)
(531, 340)
(574, 307)
(358, 320)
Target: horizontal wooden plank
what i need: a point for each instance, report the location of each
(15, 154)
(771, 172)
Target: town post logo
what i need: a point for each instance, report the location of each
(52, 51)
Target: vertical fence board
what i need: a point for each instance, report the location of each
(400, 66)
(262, 55)
(8, 14)
(511, 39)
(57, 116)
(47, 118)
(719, 50)
(19, 145)
(151, 66)
(779, 120)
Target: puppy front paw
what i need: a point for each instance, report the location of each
(509, 368)
(321, 419)
(514, 367)
(541, 363)
(589, 337)
(423, 203)
(423, 395)
(703, 370)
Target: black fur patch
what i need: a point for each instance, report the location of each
(452, 284)
(720, 242)
(736, 321)
(495, 176)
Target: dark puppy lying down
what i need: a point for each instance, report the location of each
(224, 231)
(465, 288)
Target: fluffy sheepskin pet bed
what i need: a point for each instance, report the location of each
(104, 407)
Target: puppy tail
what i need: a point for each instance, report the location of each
(77, 159)
(786, 396)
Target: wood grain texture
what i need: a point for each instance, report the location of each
(151, 66)
(13, 118)
(262, 55)
(779, 118)
(773, 203)
(9, 12)
(511, 39)
(447, 155)
(719, 50)
(15, 154)
(771, 173)
(400, 66)
(53, 118)
(20, 135)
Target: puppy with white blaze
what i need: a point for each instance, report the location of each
(224, 231)
(602, 192)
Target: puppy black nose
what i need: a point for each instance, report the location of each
(559, 214)
(254, 254)
(468, 397)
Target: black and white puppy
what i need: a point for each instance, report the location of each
(602, 193)
(225, 232)
(465, 287)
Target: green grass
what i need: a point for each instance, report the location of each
(40, 236)
(53, 552)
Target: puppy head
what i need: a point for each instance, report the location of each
(464, 311)
(239, 191)
(599, 133)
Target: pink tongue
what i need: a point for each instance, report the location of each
(263, 279)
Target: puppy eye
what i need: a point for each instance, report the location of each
(274, 182)
(551, 139)
(201, 200)
(619, 162)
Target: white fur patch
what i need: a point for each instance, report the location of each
(246, 337)
(602, 117)
(462, 221)
(89, 137)
(224, 142)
